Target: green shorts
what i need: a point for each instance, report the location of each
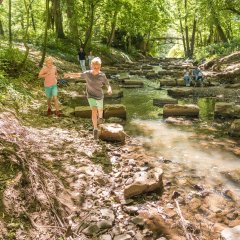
(51, 91)
(95, 103)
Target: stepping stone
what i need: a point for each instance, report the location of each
(133, 82)
(189, 110)
(180, 92)
(227, 110)
(83, 112)
(112, 132)
(160, 102)
(115, 110)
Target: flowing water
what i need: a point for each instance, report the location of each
(202, 144)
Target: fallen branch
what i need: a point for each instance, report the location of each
(183, 222)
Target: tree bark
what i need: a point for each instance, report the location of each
(44, 46)
(88, 35)
(182, 32)
(72, 22)
(1, 28)
(26, 35)
(217, 22)
(186, 31)
(10, 22)
(193, 37)
(113, 28)
(57, 15)
(32, 18)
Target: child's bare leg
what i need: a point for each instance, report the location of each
(100, 113)
(94, 117)
(56, 103)
(49, 100)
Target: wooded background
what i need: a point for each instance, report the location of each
(130, 25)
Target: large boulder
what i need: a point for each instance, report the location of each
(227, 110)
(235, 128)
(231, 233)
(112, 132)
(115, 110)
(189, 110)
(144, 182)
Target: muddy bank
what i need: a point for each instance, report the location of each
(65, 184)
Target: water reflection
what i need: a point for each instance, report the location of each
(208, 156)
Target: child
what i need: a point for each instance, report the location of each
(90, 58)
(187, 77)
(95, 79)
(49, 73)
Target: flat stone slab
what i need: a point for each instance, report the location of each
(83, 112)
(227, 110)
(160, 102)
(189, 110)
(110, 110)
(112, 132)
(180, 92)
(168, 83)
(131, 86)
(115, 110)
(235, 128)
(133, 82)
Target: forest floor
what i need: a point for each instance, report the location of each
(57, 182)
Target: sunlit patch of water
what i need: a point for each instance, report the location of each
(197, 151)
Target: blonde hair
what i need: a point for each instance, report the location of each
(48, 59)
(96, 60)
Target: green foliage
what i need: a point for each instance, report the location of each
(176, 51)
(64, 48)
(218, 49)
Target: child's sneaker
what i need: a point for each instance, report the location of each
(49, 111)
(100, 121)
(95, 134)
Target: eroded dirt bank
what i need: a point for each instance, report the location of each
(64, 185)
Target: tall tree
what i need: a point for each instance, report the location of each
(72, 19)
(58, 19)
(44, 45)
(10, 22)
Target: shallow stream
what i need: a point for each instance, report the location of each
(202, 144)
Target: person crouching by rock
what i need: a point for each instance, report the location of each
(186, 77)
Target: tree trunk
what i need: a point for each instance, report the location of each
(32, 18)
(113, 28)
(26, 35)
(182, 32)
(210, 34)
(72, 22)
(44, 46)
(193, 37)
(57, 14)
(217, 22)
(186, 30)
(88, 35)
(1, 28)
(10, 22)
